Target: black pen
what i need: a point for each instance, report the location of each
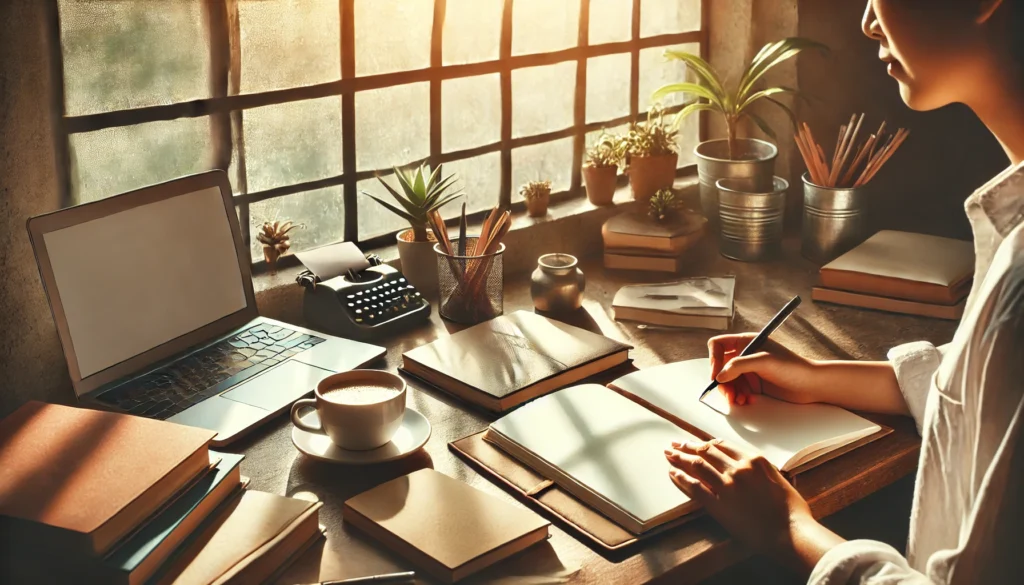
(756, 343)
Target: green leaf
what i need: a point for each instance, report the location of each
(695, 107)
(407, 185)
(767, 59)
(393, 209)
(764, 93)
(419, 185)
(762, 124)
(692, 88)
(700, 67)
(448, 199)
(785, 108)
(410, 206)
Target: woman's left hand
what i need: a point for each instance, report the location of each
(751, 499)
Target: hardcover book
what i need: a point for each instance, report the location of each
(701, 302)
(640, 232)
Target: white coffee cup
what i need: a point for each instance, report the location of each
(359, 410)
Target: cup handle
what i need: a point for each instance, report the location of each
(297, 420)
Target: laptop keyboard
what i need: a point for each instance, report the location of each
(163, 393)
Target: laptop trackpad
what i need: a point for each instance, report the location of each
(226, 417)
(278, 386)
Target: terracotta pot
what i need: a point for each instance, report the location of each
(601, 183)
(537, 206)
(649, 174)
(419, 262)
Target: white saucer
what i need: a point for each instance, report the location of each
(412, 435)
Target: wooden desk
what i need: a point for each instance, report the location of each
(685, 555)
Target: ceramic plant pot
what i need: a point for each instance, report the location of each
(754, 164)
(650, 174)
(601, 183)
(419, 263)
(537, 206)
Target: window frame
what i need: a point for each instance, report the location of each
(225, 105)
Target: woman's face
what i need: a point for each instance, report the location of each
(927, 46)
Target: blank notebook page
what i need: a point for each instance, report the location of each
(785, 433)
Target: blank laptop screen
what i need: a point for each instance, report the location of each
(131, 281)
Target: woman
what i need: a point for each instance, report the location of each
(967, 523)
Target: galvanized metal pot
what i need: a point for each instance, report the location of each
(751, 220)
(835, 221)
(755, 164)
(557, 284)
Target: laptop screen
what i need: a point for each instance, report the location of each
(138, 278)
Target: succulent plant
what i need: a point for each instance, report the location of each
(663, 205)
(535, 190)
(423, 191)
(651, 137)
(608, 151)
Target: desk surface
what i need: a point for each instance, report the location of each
(688, 554)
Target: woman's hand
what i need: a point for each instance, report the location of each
(775, 371)
(751, 499)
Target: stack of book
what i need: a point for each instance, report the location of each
(99, 497)
(701, 302)
(636, 242)
(900, 272)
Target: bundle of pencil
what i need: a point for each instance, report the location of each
(851, 165)
(471, 263)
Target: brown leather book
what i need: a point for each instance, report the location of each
(442, 525)
(501, 363)
(633, 230)
(901, 265)
(840, 297)
(80, 480)
(632, 259)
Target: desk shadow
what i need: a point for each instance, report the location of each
(333, 484)
(579, 318)
(806, 327)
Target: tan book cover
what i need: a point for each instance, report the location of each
(841, 297)
(508, 360)
(702, 302)
(631, 259)
(442, 525)
(635, 230)
(87, 478)
(902, 265)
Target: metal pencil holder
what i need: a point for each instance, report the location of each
(835, 221)
(470, 288)
(751, 220)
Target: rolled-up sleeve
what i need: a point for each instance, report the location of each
(915, 365)
(864, 561)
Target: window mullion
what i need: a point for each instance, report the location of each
(237, 128)
(580, 102)
(348, 119)
(505, 56)
(436, 44)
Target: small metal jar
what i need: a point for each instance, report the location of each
(835, 221)
(557, 284)
(751, 221)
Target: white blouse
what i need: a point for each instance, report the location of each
(967, 521)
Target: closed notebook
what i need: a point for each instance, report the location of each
(511, 359)
(442, 525)
(901, 265)
(692, 302)
(639, 231)
(81, 480)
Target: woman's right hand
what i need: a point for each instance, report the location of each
(775, 370)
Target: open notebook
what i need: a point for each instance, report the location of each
(605, 445)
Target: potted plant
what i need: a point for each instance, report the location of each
(276, 241)
(651, 155)
(663, 205)
(733, 157)
(423, 191)
(600, 171)
(536, 194)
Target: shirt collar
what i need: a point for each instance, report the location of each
(1002, 199)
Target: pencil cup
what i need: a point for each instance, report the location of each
(751, 220)
(835, 221)
(470, 288)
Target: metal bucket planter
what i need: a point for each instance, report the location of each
(751, 221)
(835, 221)
(754, 164)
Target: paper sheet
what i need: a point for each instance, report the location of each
(333, 260)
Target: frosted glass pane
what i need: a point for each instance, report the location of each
(392, 35)
(289, 43)
(392, 126)
(480, 180)
(542, 98)
(122, 54)
(659, 17)
(472, 31)
(689, 138)
(115, 160)
(548, 161)
(292, 142)
(470, 112)
(607, 87)
(610, 21)
(320, 212)
(374, 219)
(656, 71)
(544, 25)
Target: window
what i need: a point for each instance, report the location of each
(304, 102)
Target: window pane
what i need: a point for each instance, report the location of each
(610, 21)
(659, 17)
(392, 35)
(549, 161)
(293, 142)
(374, 219)
(116, 160)
(392, 126)
(289, 43)
(480, 180)
(470, 112)
(544, 25)
(542, 98)
(656, 71)
(608, 87)
(122, 54)
(689, 138)
(320, 213)
(472, 30)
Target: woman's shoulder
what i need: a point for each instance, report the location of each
(1002, 199)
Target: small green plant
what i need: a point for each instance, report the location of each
(651, 137)
(608, 151)
(733, 104)
(423, 192)
(663, 205)
(535, 190)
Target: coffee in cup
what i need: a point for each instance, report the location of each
(359, 410)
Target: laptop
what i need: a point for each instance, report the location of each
(153, 300)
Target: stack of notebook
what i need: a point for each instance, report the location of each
(701, 302)
(636, 242)
(89, 496)
(899, 272)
